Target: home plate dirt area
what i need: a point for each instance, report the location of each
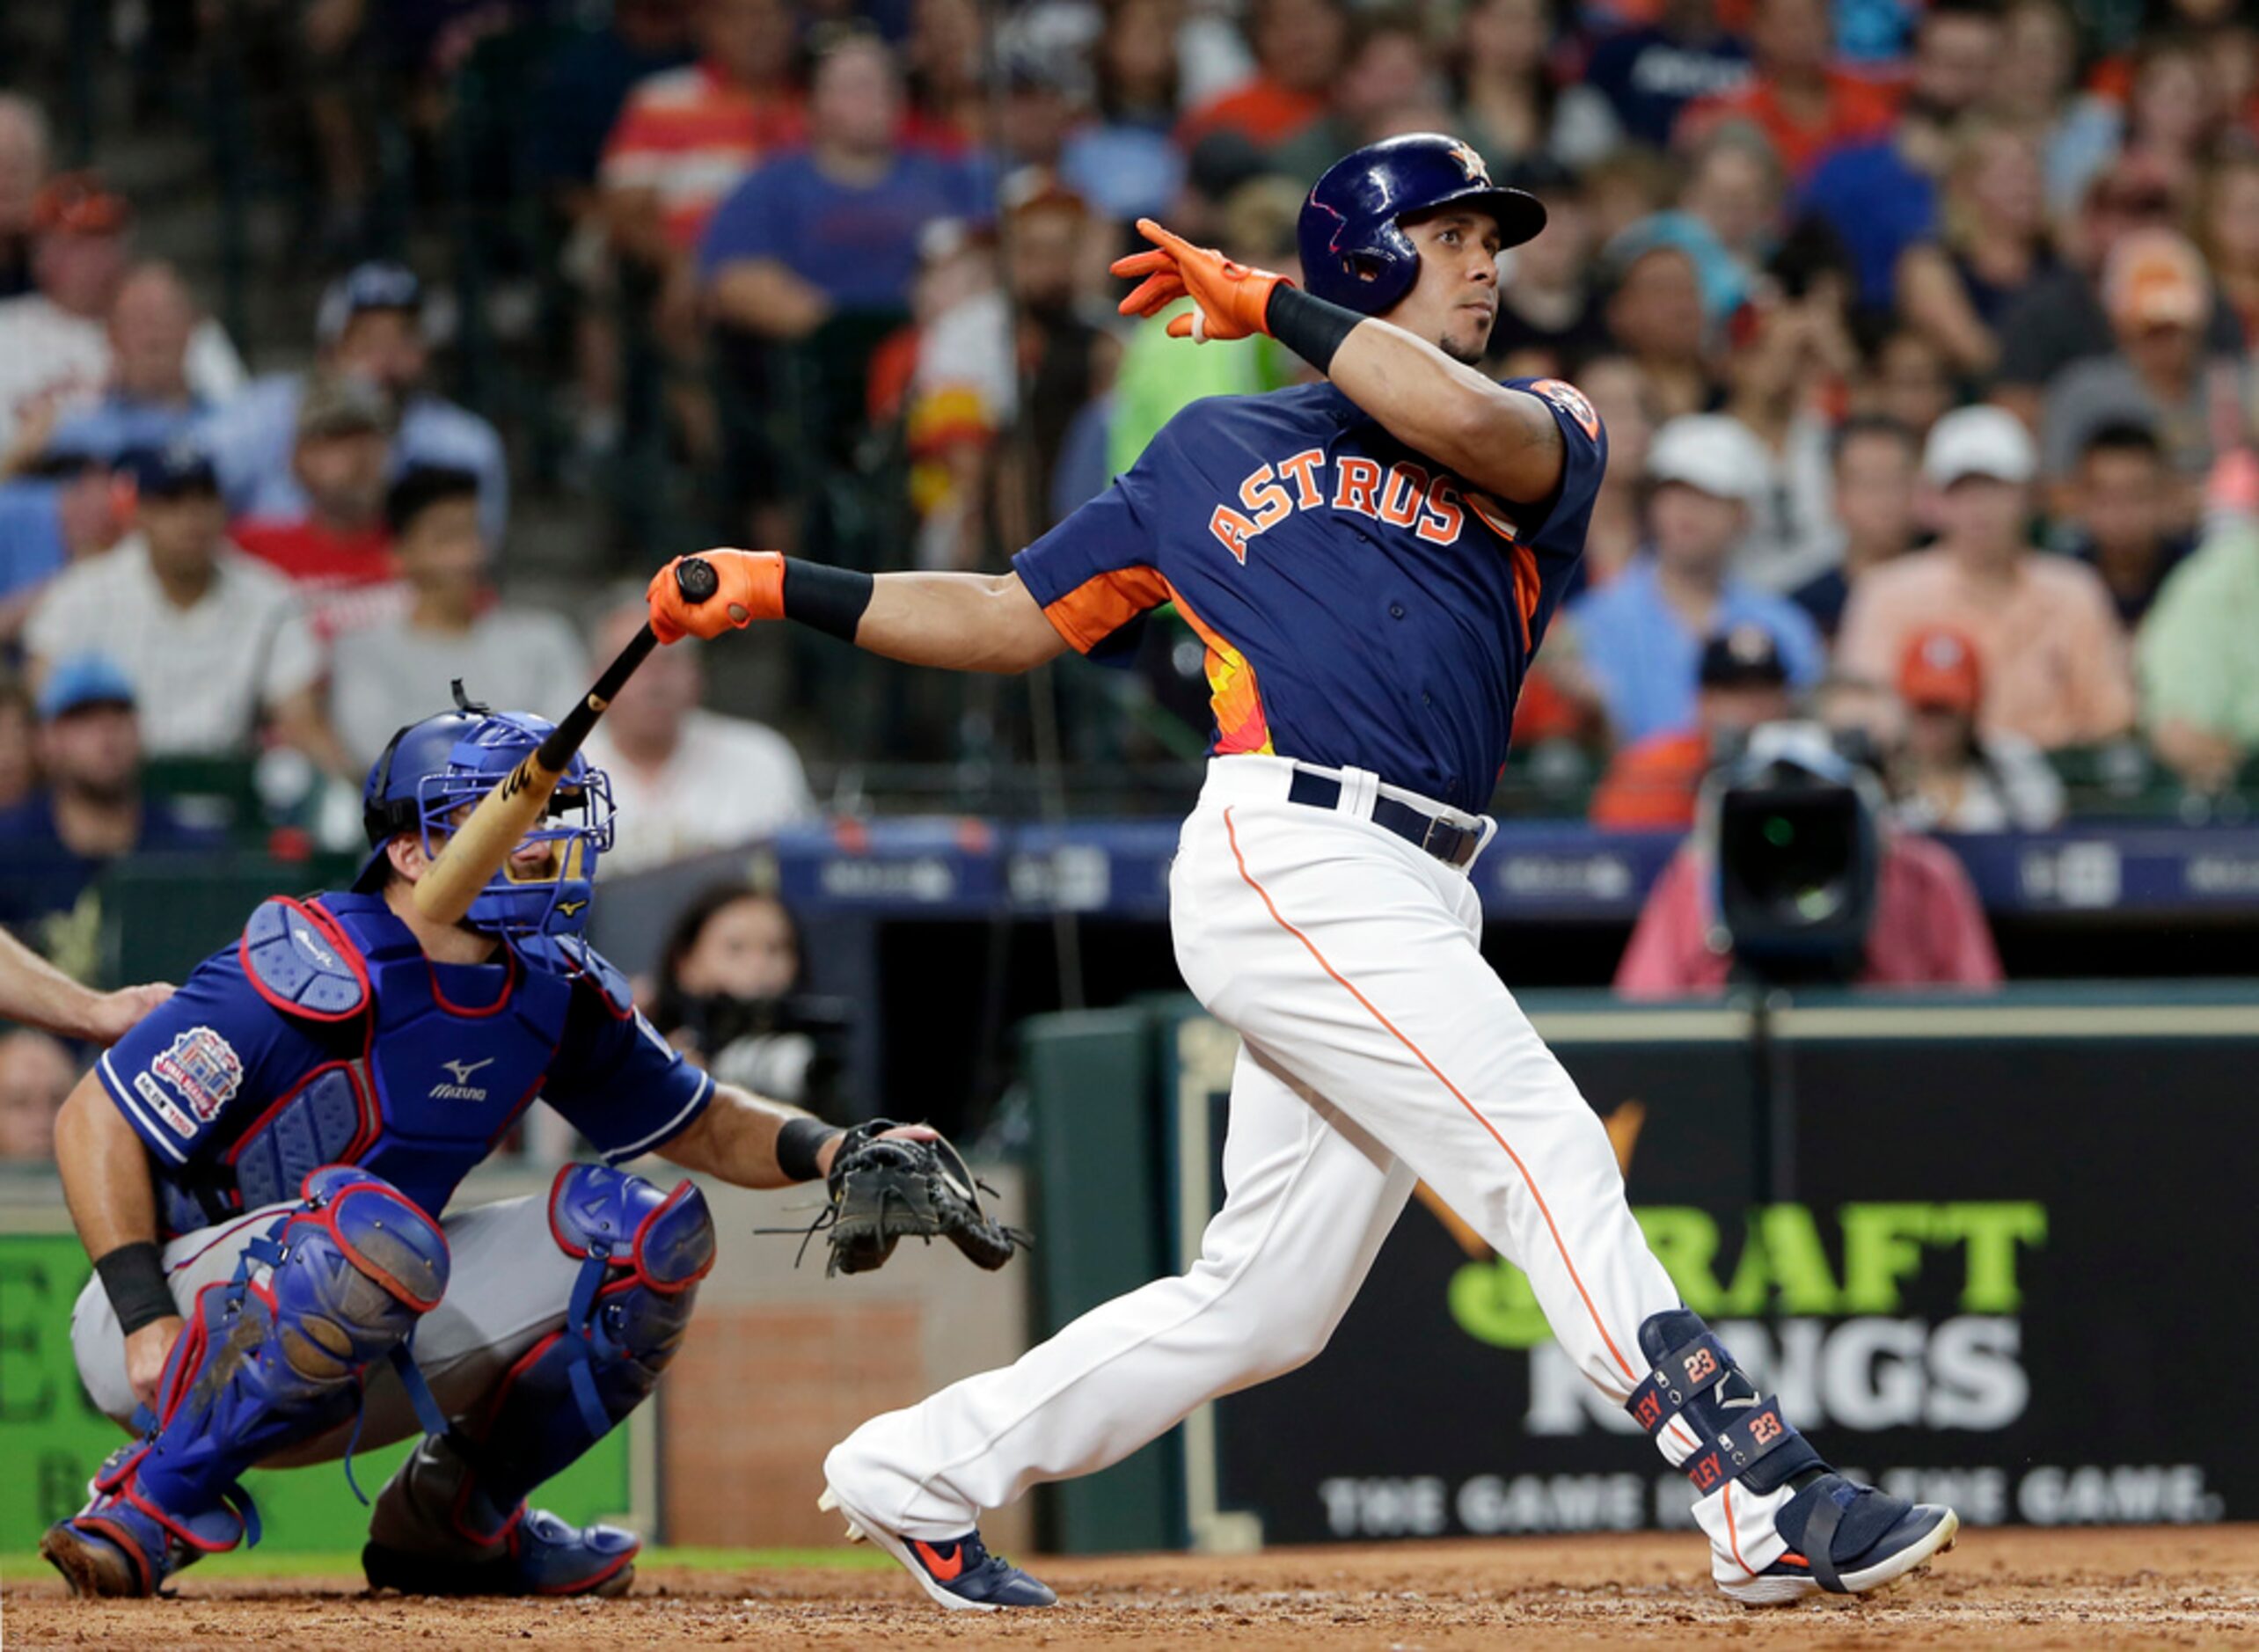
(2153, 1587)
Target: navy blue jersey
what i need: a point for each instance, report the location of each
(238, 1093)
(1361, 606)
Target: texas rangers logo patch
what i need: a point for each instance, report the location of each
(204, 1068)
(1571, 401)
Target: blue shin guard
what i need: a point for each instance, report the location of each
(454, 1520)
(260, 1365)
(1801, 1528)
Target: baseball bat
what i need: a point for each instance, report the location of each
(480, 846)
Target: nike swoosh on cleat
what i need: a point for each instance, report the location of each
(944, 1571)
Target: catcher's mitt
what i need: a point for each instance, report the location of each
(885, 1188)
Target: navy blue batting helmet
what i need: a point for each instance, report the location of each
(1355, 251)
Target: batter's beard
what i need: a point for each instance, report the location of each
(1466, 355)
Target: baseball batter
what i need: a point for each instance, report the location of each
(1371, 562)
(259, 1170)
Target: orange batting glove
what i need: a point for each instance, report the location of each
(1229, 298)
(752, 587)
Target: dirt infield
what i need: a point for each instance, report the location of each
(2192, 1588)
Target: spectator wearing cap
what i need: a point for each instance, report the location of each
(2118, 510)
(1651, 74)
(149, 401)
(1873, 463)
(1651, 786)
(55, 353)
(687, 136)
(1948, 776)
(370, 326)
(36, 1074)
(2156, 290)
(687, 780)
(2198, 650)
(339, 553)
(216, 647)
(2061, 318)
(23, 169)
(1642, 634)
(2055, 671)
(1299, 46)
(512, 658)
(1654, 313)
(1805, 107)
(89, 811)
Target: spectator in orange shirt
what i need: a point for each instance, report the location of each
(2054, 653)
(1299, 45)
(1651, 786)
(1803, 106)
(687, 135)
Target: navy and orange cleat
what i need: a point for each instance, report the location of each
(960, 1573)
(1847, 1540)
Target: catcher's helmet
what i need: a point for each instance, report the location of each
(1355, 251)
(431, 774)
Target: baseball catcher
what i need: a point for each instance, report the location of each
(261, 1171)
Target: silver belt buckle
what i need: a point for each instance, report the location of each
(1427, 839)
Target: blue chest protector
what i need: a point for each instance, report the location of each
(405, 1082)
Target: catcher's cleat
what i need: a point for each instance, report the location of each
(539, 1555)
(1844, 1538)
(960, 1573)
(115, 1551)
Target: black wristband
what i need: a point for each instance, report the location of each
(799, 1140)
(832, 600)
(1310, 327)
(133, 1277)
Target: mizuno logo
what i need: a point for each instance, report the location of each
(569, 908)
(462, 1089)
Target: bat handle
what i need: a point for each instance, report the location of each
(696, 580)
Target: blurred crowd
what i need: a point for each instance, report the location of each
(1921, 333)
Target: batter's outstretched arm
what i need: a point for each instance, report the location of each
(959, 622)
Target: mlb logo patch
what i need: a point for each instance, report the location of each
(203, 1068)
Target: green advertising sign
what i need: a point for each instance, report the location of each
(53, 1439)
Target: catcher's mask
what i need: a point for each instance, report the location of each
(431, 775)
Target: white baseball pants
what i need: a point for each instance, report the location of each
(1377, 1047)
